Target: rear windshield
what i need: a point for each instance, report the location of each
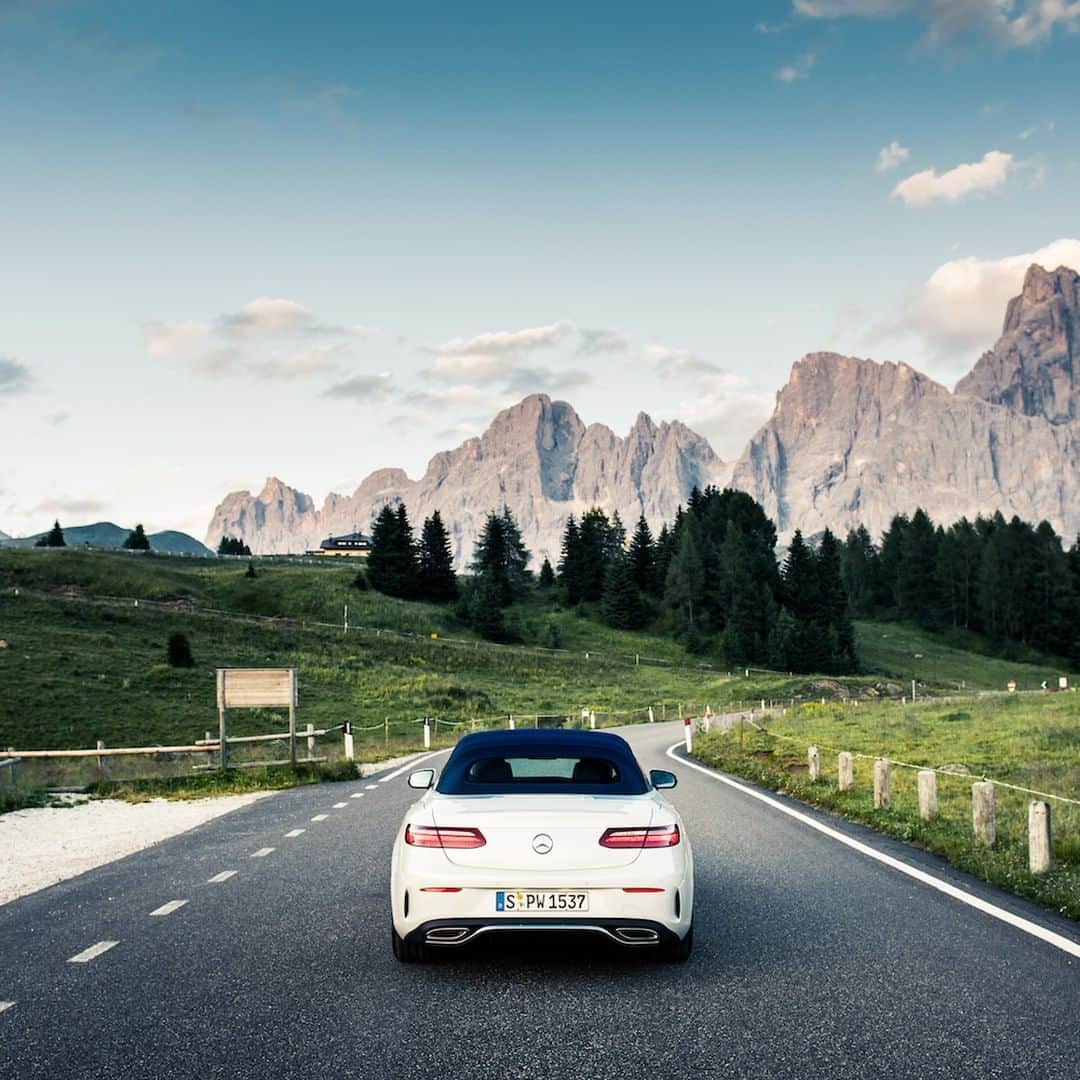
(493, 770)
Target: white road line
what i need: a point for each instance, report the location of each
(5, 1005)
(340, 805)
(371, 787)
(320, 817)
(294, 832)
(357, 795)
(169, 908)
(409, 766)
(261, 853)
(94, 951)
(223, 876)
(1028, 927)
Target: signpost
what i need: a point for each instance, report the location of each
(256, 688)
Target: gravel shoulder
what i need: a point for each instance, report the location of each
(45, 845)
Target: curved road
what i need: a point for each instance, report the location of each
(811, 959)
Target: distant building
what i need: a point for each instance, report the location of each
(354, 543)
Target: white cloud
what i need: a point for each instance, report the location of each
(891, 157)
(535, 380)
(172, 338)
(800, 68)
(961, 306)
(302, 365)
(1046, 126)
(1011, 23)
(14, 377)
(266, 317)
(594, 342)
(923, 188)
(77, 507)
(223, 360)
(492, 356)
(365, 386)
(671, 363)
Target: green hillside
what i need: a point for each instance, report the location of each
(104, 534)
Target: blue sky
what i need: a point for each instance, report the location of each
(314, 240)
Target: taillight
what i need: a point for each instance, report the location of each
(653, 837)
(443, 837)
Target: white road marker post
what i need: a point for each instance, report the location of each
(1039, 837)
(845, 769)
(927, 794)
(983, 815)
(427, 732)
(882, 784)
(510, 721)
(310, 741)
(813, 760)
(592, 719)
(652, 718)
(688, 734)
(350, 749)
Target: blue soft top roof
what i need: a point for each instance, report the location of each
(545, 742)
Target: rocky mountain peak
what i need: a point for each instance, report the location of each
(1034, 369)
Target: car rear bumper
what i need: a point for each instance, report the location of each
(449, 933)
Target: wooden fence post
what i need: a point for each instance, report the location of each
(814, 761)
(983, 816)
(1039, 837)
(222, 738)
(845, 769)
(882, 784)
(927, 794)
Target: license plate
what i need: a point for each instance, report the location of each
(536, 902)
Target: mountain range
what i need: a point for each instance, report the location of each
(104, 534)
(850, 441)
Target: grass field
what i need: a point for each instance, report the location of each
(1031, 741)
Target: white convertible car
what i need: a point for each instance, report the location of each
(542, 831)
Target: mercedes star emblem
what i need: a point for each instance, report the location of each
(542, 843)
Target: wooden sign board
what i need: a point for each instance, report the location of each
(256, 688)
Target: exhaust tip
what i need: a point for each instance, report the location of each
(447, 935)
(636, 935)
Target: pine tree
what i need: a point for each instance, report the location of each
(809, 652)
(664, 551)
(642, 556)
(918, 563)
(570, 577)
(392, 562)
(547, 575)
(685, 583)
(597, 546)
(833, 600)
(890, 558)
(500, 557)
(250, 572)
(231, 545)
(137, 540)
(859, 567)
(437, 581)
(178, 651)
(54, 538)
(485, 608)
(621, 603)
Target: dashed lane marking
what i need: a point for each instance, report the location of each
(169, 908)
(293, 832)
(261, 853)
(371, 787)
(320, 817)
(94, 951)
(340, 805)
(223, 876)
(357, 795)
(410, 765)
(5, 1005)
(1026, 925)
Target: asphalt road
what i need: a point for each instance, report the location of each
(811, 960)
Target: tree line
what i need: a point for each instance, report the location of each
(711, 578)
(1008, 580)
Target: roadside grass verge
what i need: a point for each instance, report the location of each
(1032, 743)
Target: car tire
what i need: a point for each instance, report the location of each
(678, 951)
(407, 952)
